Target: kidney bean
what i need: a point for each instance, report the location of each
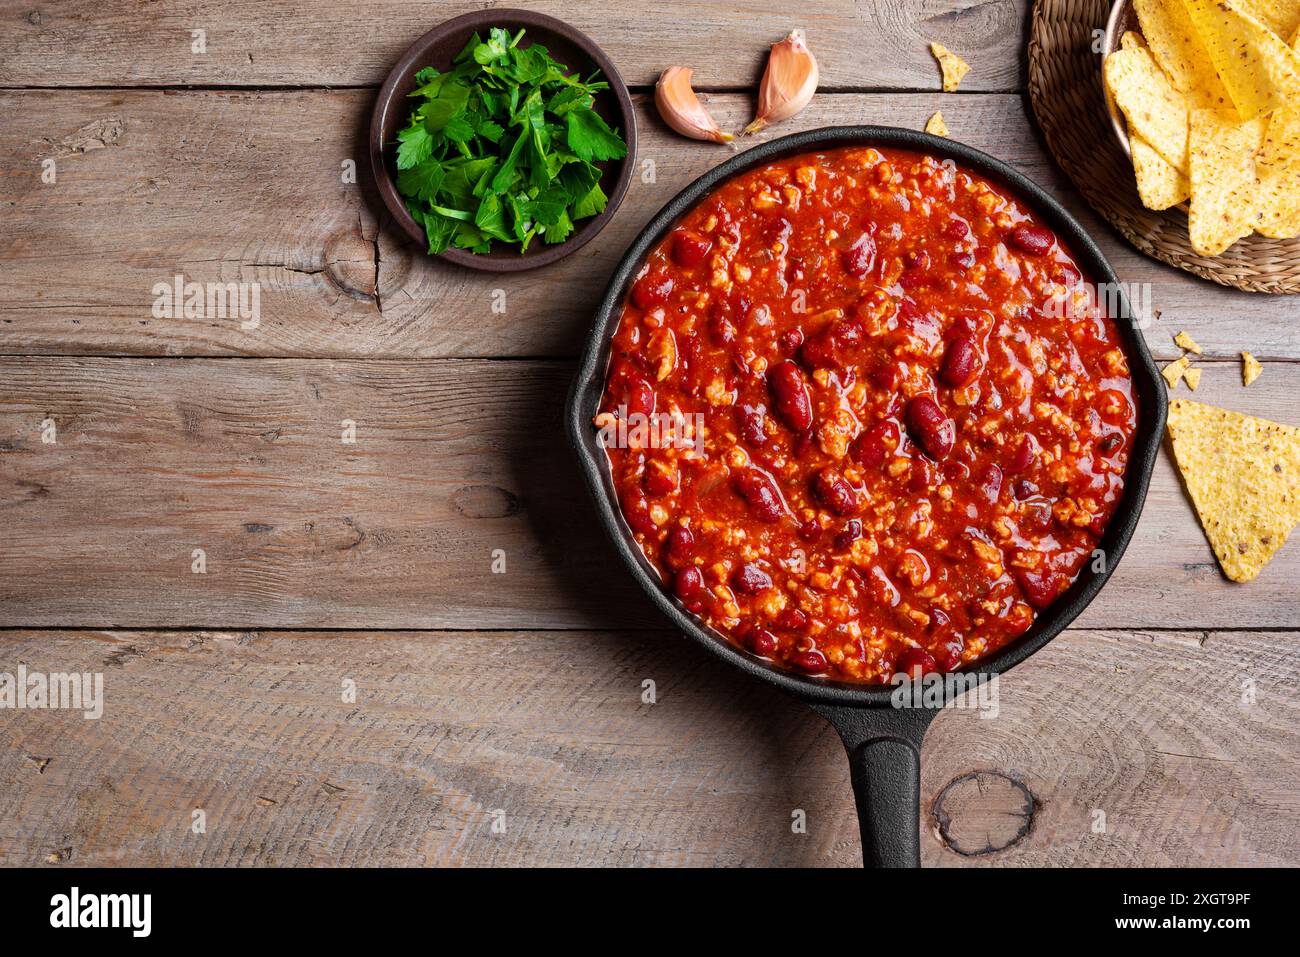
(957, 229)
(990, 482)
(1024, 489)
(872, 447)
(1034, 240)
(790, 392)
(962, 260)
(809, 531)
(688, 584)
(749, 579)
(721, 331)
(1037, 515)
(792, 619)
(681, 544)
(758, 489)
(1039, 587)
(809, 662)
(848, 333)
(827, 349)
(851, 532)
(690, 248)
(951, 656)
(637, 513)
(640, 396)
(1065, 274)
(961, 363)
(885, 376)
(921, 476)
(911, 659)
(791, 340)
(660, 481)
(819, 352)
(1023, 456)
(761, 642)
(652, 289)
(749, 422)
(915, 267)
(934, 431)
(859, 258)
(835, 492)
(1110, 443)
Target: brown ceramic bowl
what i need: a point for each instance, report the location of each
(1122, 19)
(436, 48)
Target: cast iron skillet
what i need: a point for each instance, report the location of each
(883, 742)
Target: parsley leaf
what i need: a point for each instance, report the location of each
(590, 139)
(415, 145)
(422, 181)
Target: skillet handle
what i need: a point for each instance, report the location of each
(884, 747)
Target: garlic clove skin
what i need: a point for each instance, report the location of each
(788, 83)
(681, 108)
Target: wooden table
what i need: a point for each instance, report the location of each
(501, 718)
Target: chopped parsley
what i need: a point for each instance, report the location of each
(502, 147)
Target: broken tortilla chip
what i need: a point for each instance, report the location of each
(1193, 378)
(1184, 341)
(1259, 69)
(1225, 201)
(1174, 371)
(936, 126)
(1178, 49)
(953, 66)
(1154, 110)
(1243, 475)
(1250, 368)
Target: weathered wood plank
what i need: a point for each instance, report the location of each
(552, 729)
(453, 459)
(281, 43)
(218, 187)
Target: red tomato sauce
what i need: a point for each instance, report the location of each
(899, 417)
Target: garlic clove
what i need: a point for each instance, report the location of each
(788, 83)
(681, 108)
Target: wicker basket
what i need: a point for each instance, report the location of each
(1069, 102)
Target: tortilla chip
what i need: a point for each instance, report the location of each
(1279, 204)
(1193, 378)
(1280, 16)
(1243, 475)
(1281, 149)
(1225, 200)
(1174, 371)
(936, 126)
(1250, 368)
(1160, 186)
(1155, 111)
(1132, 41)
(953, 66)
(1184, 341)
(1178, 49)
(1260, 71)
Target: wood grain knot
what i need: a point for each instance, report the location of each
(485, 501)
(983, 812)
